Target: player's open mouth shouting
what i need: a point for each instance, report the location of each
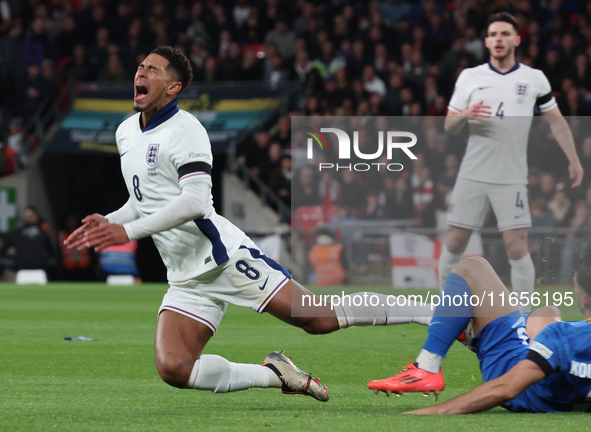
(140, 92)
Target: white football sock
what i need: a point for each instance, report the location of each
(429, 361)
(367, 315)
(215, 373)
(523, 278)
(447, 261)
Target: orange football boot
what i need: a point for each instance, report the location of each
(411, 379)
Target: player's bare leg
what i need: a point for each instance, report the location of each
(294, 304)
(540, 318)
(179, 360)
(455, 245)
(471, 277)
(523, 273)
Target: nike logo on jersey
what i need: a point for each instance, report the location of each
(264, 285)
(517, 217)
(482, 88)
(123, 154)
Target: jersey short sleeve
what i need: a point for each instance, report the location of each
(460, 99)
(544, 99)
(547, 351)
(190, 151)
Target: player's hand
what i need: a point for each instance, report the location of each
(576, 172)
(76, 239)
(104, 235)
(478, 111)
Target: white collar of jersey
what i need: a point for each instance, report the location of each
(494, 69)
(160, 116)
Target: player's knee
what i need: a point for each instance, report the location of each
(470, 267)
(320, 325)
(455, 245)
(516, 251)
(174, 372)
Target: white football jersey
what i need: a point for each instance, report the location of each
(497, 147)
(173, 147)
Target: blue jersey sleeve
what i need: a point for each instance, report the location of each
(547, 351)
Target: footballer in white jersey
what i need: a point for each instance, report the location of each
(166, 162)
(497, 99)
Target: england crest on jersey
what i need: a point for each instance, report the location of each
(521, 89)
(152, 154)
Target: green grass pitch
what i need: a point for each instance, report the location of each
(47, 383)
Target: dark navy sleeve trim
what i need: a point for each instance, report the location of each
(540, 361)
(193, 167)
(544, 99)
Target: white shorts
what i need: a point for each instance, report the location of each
(470, 200)
(249, 278)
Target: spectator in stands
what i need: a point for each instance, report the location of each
(270, 161)
(399, 204)
(352, 191)
(98, 53)
(256, 152)
(560, 206)
(36, 88)
(135, 44)
(210, 70)
(329, 190)
(229, 68)
(547, 186)
(277, 74)
(533, 186)
(326, 258)
(280, 180)
(372, 208)
(305, 192)
(74, 264)
(372, 83)
(251, 69)
(305, 72)
(577, 243)
(113, 70)
(540, 215)
(448, 177)
(36, 45)
(283, 37)
(282, 134)
(17, 143)
(79, 68)
(32, 245)
(423, 194)
(67, 37)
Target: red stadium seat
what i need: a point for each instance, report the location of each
(307, 217)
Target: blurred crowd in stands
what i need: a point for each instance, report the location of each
(388, 57)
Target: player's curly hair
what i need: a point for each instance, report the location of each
(178, 62)
(503, 17)
(583, 274)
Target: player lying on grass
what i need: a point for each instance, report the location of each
(166, 162)
(550, 374)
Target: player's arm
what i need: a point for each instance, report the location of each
(455, 120)
(564, 136)
(125, 214)
(492, 393)
(189, 205)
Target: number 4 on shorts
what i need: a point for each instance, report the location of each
(518, 201)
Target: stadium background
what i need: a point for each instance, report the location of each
(67, 68)
(65, 74)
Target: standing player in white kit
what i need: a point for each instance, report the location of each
(497, 99)
(166, 162)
